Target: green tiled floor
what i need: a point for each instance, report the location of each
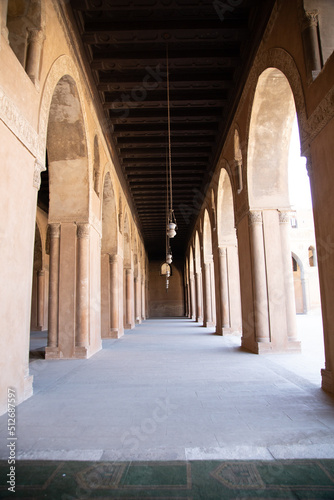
(291, 479)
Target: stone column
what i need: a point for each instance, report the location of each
(188, 307)
(261, 318)
(53, 286)
(306, 294)
(207, 301)
(40, 298)
(143, 317)
(146, 299)
(3, 18)
(311, 44)
(82, 328)
(213, 293)
(114, 294)
(289, 290)
(224, 295)
(129, 298)
(36, 38)
(199, 312)
(138, 299)
(192, 297)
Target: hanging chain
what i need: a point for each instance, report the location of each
(167, 207)
(169, 140)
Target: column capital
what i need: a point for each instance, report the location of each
(35, 35)
(284, 217)
(310, 19)
(41, 272)
(222, 251)
(83, 230)
(54, 230)
(113, 258)
(254, 217)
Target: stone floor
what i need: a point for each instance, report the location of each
(171, 390)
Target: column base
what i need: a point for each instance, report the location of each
(327, 382)
(79, 352)
(114, 333)
(293, 347)
(209, 324)
(52, 353)
(225, 330)
(129, 326)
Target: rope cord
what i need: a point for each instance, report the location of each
(169, 140)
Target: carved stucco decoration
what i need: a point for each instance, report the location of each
(284, 217)
(15, 121)
(255, 217)
(321, 116)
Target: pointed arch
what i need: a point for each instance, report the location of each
(109, 218)
(207, 237)
(67, 154)
(272, 118)
(127, 242)
(225, 210)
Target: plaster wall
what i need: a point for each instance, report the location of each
(17, 231)
(42, 264)
(164, 304)
(322, 181)
(248, 334)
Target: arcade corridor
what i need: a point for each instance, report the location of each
(171, 390)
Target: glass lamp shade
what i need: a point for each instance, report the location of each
(171, 229)
(169, 258)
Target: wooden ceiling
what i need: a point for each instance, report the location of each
(211, 45)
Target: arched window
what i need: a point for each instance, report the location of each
(312, 256)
